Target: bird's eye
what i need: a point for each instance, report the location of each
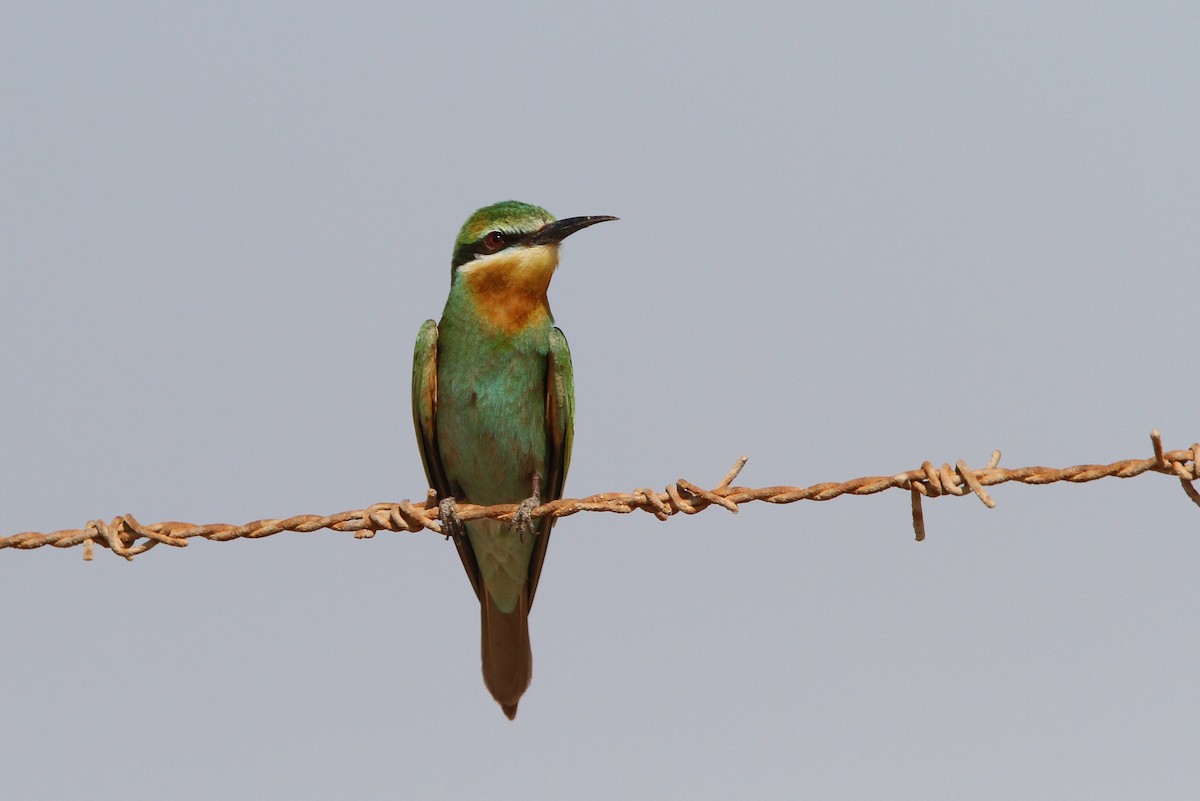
(493, 241)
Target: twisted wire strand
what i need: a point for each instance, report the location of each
(126, 537)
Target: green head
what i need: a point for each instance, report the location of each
(510, 224)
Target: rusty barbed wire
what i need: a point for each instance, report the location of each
(126, 537)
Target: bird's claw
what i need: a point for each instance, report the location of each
(452, 524)
(523, 517)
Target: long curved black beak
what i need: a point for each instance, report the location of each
(559, 230)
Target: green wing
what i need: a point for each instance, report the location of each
(424, 408)
(560, 431)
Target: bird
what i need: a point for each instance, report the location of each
(493, 400)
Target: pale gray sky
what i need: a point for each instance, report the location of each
(853, 238)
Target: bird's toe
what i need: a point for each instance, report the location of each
(452, 525)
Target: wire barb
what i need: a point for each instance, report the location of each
(126, 537)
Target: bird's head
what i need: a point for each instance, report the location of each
(512, 247)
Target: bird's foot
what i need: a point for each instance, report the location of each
(452, 524)
(523, 517)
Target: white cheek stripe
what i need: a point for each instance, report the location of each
(524, 263)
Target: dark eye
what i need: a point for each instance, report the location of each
(493, 241)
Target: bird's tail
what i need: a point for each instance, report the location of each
(507, 657)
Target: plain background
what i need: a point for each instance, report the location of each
(854, 236)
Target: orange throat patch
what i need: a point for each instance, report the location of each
(509, 289)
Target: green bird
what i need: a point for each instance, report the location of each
(494, 408)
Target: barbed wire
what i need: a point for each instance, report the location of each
(126, 537)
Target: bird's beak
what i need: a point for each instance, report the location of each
(559, 230)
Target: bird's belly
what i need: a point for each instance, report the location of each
(491, 427)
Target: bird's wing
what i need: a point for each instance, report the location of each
(424, 408)
(560, 430)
